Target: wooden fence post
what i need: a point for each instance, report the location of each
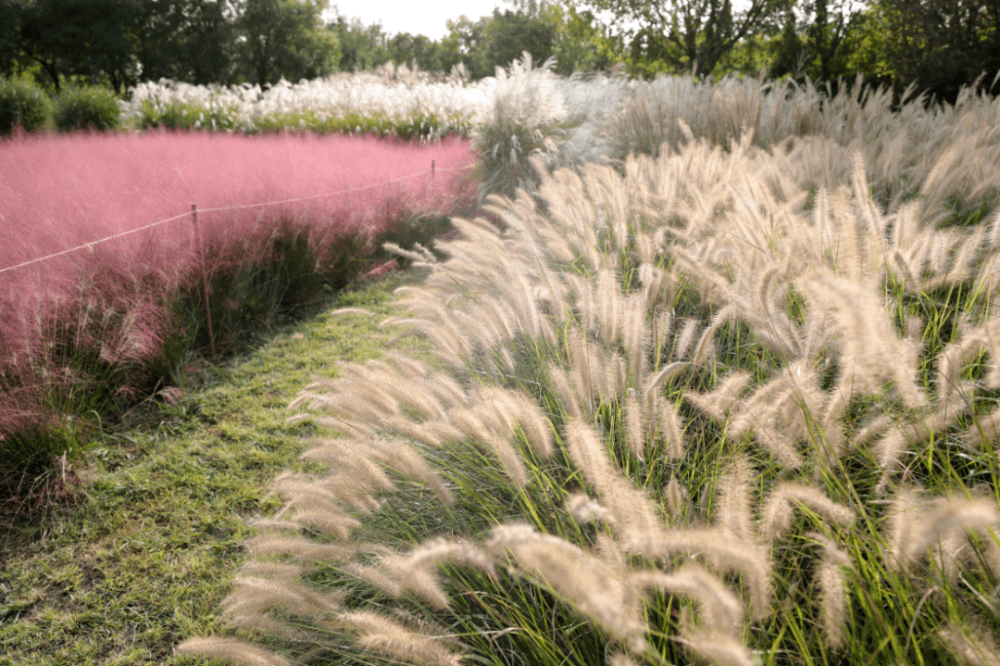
(204, 277)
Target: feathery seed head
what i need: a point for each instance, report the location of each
(734, 499)
(720, 609)
(677, 498)
(232, 651)
(585, 510)
(591, 585)
(715, 647)
(378, 633)
(777, 513)
(969, 646)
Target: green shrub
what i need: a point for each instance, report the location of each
(24, 104)
(87, 107)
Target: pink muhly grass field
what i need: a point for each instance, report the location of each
(61, 191)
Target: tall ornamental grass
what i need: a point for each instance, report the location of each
(717, 406)
(364, 103)
(103, 273)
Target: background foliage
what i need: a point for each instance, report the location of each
(940, 44)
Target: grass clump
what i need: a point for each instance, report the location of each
(665, 417)
(526, 118)
(87, 108)
(23, 104)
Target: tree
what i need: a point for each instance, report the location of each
(12, 57)
(429, 55)
(699, 35)
(465, 40)
(285, 38)
(941, 44)
(828, 30)
(360, 47)
(507, 35)
(580, 42)
(187, 40)
(87, 38)
(817, 47)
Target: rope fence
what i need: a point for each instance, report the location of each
(194, 213)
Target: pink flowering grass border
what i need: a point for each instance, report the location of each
(96, 329)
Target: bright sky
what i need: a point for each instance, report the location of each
(428, 18)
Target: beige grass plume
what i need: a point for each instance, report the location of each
(302, 549)
(833, 590)
(635, 428)
(781, 411)
(315, 506)
(677, 499)
(915, 525)
(596, 589)
(721, 549)
(231, 651)
(510, 409)
(586, 510)
(776, 516)
(633, 511)
(401, 457)
(733, 506)
(969, 646)
(715, 647)
(472, 424)
(379, 633)
(672, 428)
(721, 609)
(718, 403)
(267, 586)
(685, 339)
(891, 446)
(870, 350)
(416, 572)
